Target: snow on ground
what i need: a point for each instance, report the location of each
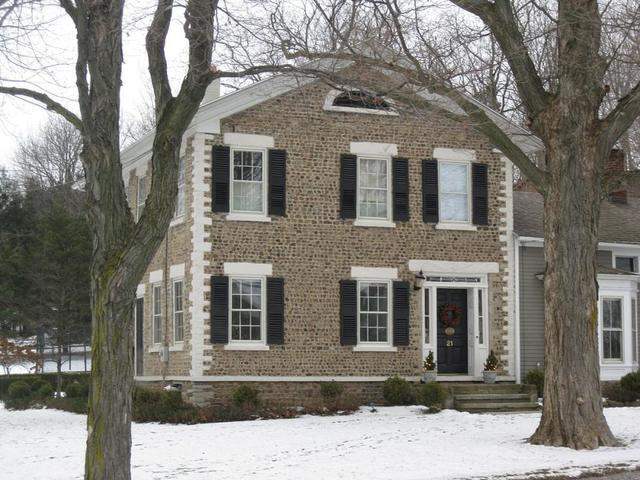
(399, 443)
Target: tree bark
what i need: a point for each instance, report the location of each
(572, 413)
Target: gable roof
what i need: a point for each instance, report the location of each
(619, 223)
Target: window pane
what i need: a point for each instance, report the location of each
(616, 314)
(372, 194)
(247, 181)
(454, 207)
(606, 313)
(626, 263)
(453, 177)
(246, 309)
(373, 312)
(427, 317)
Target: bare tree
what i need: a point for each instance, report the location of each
(50, 157)
(123, 248)
(562, 100)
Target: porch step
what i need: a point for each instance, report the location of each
(494, 398)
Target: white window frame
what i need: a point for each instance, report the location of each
(373, 220)
(174, 309)
(156, 294)
(263, 313)
(377, 345)
(181, 206)
(621, 329)
(634, 330)
(636, 261)
(469, 220)
(265, 179)
(141, 202)
(481, 299)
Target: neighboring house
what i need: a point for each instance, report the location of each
(618, 259)
(323, 235)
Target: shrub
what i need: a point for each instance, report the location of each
(77, 390)
(331, 390)
(164, 406)
(536, 377)
(631, 383)
(397, 391)
(45, 391)
(37, 384)
(246, 396)
(615, 392)
(19, 389)
(432, 395)
(73, 405)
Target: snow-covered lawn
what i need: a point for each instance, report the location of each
(397, 443)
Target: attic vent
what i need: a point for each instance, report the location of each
(360, 99)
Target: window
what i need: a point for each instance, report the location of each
(157, 314)
(634, 329)
(628, 264)
(180, 204)
(247, 181)
(178, 311)
(480, 317)
(612, 328)
(246, 310)
(373, 188)
(427, 317)
(141, 196)
(360, 99)
(373, 313)
(453, 185)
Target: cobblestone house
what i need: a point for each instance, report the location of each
(325, 235)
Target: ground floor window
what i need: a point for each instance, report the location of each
(612, 329)
(157, 313)
(178, 311)
(634, 329)
(246, 310)
(373, 301)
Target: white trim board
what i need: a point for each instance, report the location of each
(140, 290)
(248, 140)
(374, 273)
(176, 271)
(155, 276)
(370, 148)
(439, 266)
(456, 154)
(242, 268)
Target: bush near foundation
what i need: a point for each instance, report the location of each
(536, 377)
(164, 406)
(398, 391)
(432, 395)
(624, 392)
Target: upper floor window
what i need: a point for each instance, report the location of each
(360, 99)
(373, 188)
(180, 199)
(612, 329)
(157, 314)
(373, 316)
(141, 196)
(628, 264)
(248, 190)
(454, 192)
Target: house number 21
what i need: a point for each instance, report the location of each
(449, 343)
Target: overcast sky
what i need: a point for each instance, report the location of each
(55, 44)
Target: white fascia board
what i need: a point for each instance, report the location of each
(374, 273)
(455, 154)
(468, 268)
(539, 241)
(176, 271)
(371, 148)
(241, 268)
(155, 276)
(248, 140)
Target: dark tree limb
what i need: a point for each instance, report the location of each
(622, 116)
(46, 101)
(155, 44)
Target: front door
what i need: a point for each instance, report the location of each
(452, 330)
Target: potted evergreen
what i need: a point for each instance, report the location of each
(430, 371)
(490, 373)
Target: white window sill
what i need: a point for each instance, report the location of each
(375, 348)
(177, 221)
(248, 217)
(365, 222)
(177, 347)
(246, 346)
(456, 226)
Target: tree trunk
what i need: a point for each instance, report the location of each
(572, 414)
(108, 422)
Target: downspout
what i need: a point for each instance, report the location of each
(516, 304)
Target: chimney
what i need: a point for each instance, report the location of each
(212, 92)
(615, 164)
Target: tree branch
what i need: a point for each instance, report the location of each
(619, 181)
(155, 44)
(46, 101)
(622, 116)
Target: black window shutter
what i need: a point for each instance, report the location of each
(400, 313)
(430, 212)
(348, 185)
(220, 180)
(348, 312)
(480, 195)
(220, 309)
(400, 169)
(275, 311)
(277, 182)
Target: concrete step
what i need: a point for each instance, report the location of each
(477, 407)
(495, 397)
(496, 388)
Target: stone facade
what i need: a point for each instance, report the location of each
(312, 248)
